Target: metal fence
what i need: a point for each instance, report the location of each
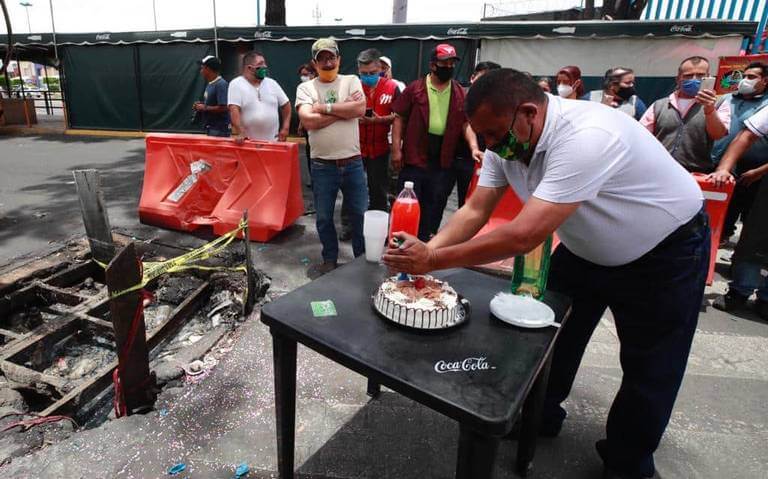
(46, 100)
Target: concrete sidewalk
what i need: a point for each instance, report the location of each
(718, 430)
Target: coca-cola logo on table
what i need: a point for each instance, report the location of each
(468, 364)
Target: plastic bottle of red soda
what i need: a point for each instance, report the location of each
(405, 212)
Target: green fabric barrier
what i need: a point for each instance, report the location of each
(170, 82)
(101, 88)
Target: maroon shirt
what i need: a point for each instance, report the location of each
(413, 106)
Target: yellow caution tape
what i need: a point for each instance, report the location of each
(154, 269)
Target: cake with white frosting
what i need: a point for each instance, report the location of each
(420, 302)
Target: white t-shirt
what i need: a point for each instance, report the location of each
(632, 193)
(259, 106)
(341, 139)
(758, 123)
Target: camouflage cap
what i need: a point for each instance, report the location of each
(324, 45)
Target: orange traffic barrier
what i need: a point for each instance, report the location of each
(194, 181)
(716, 204)
(509, 206)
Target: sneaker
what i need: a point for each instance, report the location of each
(761, 308)
(317, 270)
(730, 301)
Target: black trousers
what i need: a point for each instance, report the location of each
(655, 302)
(376, 169)
(741, 202)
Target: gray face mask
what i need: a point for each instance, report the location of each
(747, 86)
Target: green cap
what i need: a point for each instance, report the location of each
(324, 44)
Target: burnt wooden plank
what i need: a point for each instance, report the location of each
(250, 275)
(137, 383)
(76, 274)
(94, 212)
(83, 393)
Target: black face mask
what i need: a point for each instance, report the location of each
(443, 73)
(626, 92)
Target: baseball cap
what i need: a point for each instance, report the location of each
(386, 60)
(444, 51)
(211, 62)
(324, 45)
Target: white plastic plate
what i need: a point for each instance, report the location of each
(522, 311)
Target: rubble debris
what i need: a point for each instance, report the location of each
(11, 401)
(156, 314)
(89, 287)
(175, 289)
(59, 307)
(78, 358)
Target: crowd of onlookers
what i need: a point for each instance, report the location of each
(361, 128)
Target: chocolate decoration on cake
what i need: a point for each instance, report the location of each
(422, 302)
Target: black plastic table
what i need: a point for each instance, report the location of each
(483, 374)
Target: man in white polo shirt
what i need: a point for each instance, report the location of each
(254, 102)
(634, 238)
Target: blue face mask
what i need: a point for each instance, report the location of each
(690, 87)
(370, 80)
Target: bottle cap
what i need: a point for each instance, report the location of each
(409, 184)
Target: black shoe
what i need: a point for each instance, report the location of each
(730, 302)
(317, 270)
(761, 308)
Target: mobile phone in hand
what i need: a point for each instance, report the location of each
(369, 112)
(708, 83)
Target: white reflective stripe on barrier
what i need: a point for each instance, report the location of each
(715, 195)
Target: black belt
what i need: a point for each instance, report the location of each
(339, 163)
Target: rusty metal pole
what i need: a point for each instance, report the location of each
(136, 389)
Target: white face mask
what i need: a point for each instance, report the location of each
(305, 78)
(564, 90)
(747, 86)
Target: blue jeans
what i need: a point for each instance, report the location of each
(327, 179)
(655, 302)
(747, 279)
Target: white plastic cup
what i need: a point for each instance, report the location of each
(375, 228)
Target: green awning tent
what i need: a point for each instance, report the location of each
(147, 81)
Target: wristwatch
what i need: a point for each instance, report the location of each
(328, 108)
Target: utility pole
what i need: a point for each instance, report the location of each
(317, 14)
(9, 52)
(589, 9)
(275, 13)
(154, 13)
(399, 11)
(215, 32)
(53, 29)
(26, 6)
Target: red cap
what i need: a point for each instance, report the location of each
(444, 51)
